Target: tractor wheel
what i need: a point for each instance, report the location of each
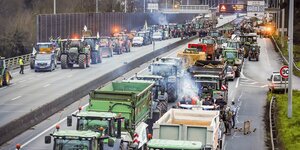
(64, 62)
(32, 63)
(237, 73)
(249, 58)
(257, 58)
(6, 79)
(1, 81)
(94, 57)
(82, 61)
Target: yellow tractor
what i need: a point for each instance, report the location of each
(190, 55)
(5, 76)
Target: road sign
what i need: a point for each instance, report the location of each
(232, 8)
(284, 72)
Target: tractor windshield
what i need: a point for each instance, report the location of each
(230, 55)
(207, 41)
(85, 124)
(141, 34)
(233, 45)
(72, 144)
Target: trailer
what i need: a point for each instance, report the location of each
(132, 100)
(189, 125)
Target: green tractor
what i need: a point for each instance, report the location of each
(254, 52)
(233, 58)
(81, 140)
(246, 41)
(75, 52)
(5, 76)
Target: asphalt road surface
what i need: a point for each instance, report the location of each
(31, 90)
(34, 139)
(250, 92)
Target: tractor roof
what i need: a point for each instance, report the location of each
(93, 114)
(75, 134)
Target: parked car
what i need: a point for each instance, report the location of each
(157, 36)
(276, 83)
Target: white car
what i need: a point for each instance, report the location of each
(137, 41)
(157, 36)
(276, 82)
(230, 73)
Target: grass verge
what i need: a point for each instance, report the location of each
(285, 53)
(288, 129)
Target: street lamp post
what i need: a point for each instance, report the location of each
(290, 47)
(54, 7)
(97, 6)
(282, 25)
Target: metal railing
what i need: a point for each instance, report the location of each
(284, 58)
(272, 122)
(188, 9)
(13, 63)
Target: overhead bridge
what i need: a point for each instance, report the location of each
(189, 9)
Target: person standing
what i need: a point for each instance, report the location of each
(233, 110)
(21, 63)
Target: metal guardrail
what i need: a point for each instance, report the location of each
(272, 121)
(188, 9)
(285, 59)
(13, 63)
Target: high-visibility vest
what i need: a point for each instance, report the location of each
(21, 61)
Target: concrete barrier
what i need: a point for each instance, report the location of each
(16, 127)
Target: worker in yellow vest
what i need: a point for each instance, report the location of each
(21, 63)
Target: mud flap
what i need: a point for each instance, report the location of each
(141, 130)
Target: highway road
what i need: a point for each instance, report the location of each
(248, 91)
(32, 90)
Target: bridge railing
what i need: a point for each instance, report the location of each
(188, 9)
(13, 63)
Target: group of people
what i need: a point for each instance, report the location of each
(227, 113)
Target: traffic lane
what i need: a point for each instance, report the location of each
(250, 106)
(251, 99)
(279, 63)
(35, 136)
(225, 20)
(45, 87)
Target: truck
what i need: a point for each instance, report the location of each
(182, 125)
(210, 78)
(211, 46)
(246, 41)
(76, 52)
(93, 43)
(130, 99)
(190, 55)
(169, 69)
(254, 52)
(5, 76)
(83, 140)
(234, 58)
(47, 53)
(105, 44)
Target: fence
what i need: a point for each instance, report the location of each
(12, 63)
(68, 25)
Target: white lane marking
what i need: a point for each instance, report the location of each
(16, 98)
(22, 81)
(237, 83)
(53, 126)
(265, 49)
(69, 76)
(46, 85)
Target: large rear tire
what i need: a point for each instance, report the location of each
(82, 61)
(32, 62)
(6, 78)
(64, 62)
